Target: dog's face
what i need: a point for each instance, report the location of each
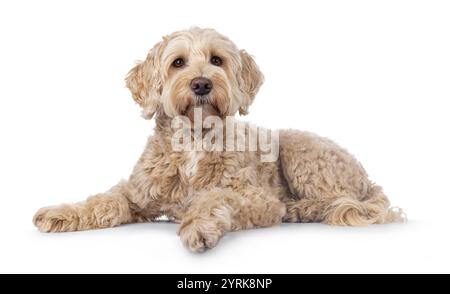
(195, 68)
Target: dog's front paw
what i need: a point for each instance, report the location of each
(199, 235)
(56, 219)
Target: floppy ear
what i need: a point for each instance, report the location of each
(144, 82)
(250, 82)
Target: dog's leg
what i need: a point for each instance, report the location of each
(329, 185)
(212, 213)
(373, 208)
(99, 211)
(345, 210)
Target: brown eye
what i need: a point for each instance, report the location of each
(216, 60)
(179, 62)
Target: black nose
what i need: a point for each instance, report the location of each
(201, 86)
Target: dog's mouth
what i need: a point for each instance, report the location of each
(203, 106)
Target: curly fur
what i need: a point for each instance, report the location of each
(212, 192)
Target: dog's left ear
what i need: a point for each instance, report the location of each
(144, 81)
(250, 81)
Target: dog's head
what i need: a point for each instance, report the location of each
(195, 68)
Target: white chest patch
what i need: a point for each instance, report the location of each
(190, 166)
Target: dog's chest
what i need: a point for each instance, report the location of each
(190, 166)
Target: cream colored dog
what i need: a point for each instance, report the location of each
(210, 192)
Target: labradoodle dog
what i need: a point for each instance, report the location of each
(200, 76)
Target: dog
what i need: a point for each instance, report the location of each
(199, 73)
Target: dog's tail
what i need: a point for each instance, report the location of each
(372, 209)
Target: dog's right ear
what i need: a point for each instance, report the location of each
(144, 81)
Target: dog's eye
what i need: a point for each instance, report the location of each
(179, 62)
(216, 60)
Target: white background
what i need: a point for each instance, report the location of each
(372, 75)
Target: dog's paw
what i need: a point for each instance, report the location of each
(56, 219)
(199, 235)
